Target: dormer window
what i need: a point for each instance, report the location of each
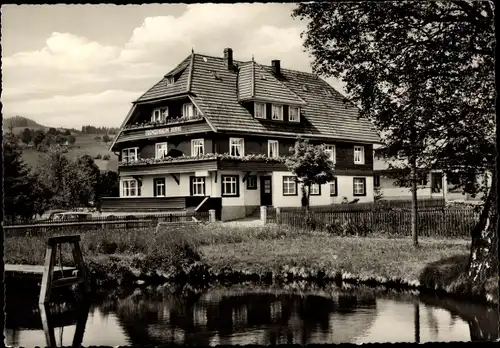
(277, 112)
(170, 80)
(188, 110)
(260, 110)
(159, 115)
(294, 114)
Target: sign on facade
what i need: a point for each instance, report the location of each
(162, 131)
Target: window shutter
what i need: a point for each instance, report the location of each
(190, 185)
(269, 111)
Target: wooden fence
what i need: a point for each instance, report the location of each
(101, 223)
(445, 222)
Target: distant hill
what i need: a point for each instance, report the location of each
(20, 122)
(87, 142)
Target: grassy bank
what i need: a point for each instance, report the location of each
(257, 252)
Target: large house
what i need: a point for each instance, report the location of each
(212, 133)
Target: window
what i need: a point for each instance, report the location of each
(330, 150)
(260, 110)
(130, 188)
(159, 187)
(376, 181)
(170, 80)
(236, 147)
(272, 148)
(188, 110)
(359, 186)
(359, 155)
(277, 112)
(159, 115)
(252, 182)
(129, 155)
(161, 150)
(230, 185)
(197, 147)
(197, 186)
(315, 190)
(294, 114)
(333, 188)
(289, 186)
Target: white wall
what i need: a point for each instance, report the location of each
(232, 201)
(344, 188)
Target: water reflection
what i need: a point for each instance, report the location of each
(254, 316)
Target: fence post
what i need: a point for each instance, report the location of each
(211, 215)
(278, 215)
(263, 214)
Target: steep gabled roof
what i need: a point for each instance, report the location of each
(162, 89)
(219, 93)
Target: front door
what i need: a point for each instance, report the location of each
(266, 192)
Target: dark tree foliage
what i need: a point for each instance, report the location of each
(52, 131)
(109, 184)
(26, 136)
(71, 139)
(18, 182)
(38, 137)
(424, 73)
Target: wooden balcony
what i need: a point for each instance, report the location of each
(151, 131)
(209, 162)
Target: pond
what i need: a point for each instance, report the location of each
(248, 314)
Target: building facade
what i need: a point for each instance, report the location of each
(214, 133)
(433, 184)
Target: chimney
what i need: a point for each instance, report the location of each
(228, 58)
(276, 67)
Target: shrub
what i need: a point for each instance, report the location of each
(106, 157)
(98, 156)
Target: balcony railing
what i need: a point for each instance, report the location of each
(208, 156)
(167, 122)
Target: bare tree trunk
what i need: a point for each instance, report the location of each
(483, 261)
(414, 202)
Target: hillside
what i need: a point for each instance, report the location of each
(85, 144)
(20, 122)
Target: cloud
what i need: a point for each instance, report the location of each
(72, 69)
(91, 108)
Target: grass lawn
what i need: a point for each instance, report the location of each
(361, 256)
(255, 249)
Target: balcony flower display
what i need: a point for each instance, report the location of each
(207, 156)
(168, 121)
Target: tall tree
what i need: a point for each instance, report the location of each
(424, 73)
(311, 165)
(85, 183)
(18, 182)
(56, 173)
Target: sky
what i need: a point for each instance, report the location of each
(74, 65)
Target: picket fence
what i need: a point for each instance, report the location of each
(445, 222)
(136, 222)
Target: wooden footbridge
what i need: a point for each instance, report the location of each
(51, 277)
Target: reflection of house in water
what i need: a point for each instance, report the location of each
(262, 318)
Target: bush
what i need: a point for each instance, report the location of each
(106, 157)
(98, 156)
